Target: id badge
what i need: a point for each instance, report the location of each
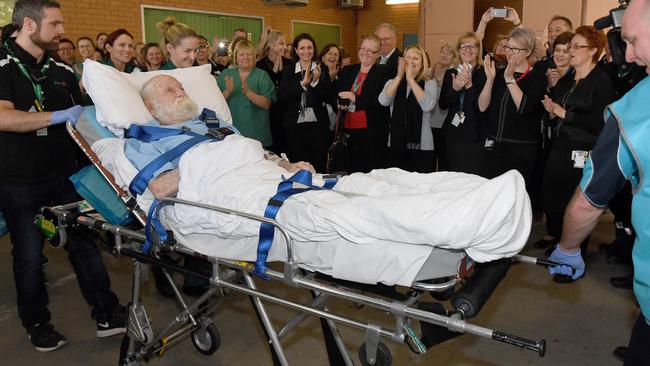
(41, 132)
(579, 158)
(458, 119)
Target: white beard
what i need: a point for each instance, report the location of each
(181, 111)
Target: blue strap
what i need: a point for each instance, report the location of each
(141, 180)
(153, 220)
(155, 133)
(207, 114)
(286, 189)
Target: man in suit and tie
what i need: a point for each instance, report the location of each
(389, 52)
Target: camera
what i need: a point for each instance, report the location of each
(222, 49)
(615, 20)
(343, 101)
(499, 13)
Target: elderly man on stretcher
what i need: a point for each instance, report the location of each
(488, 219)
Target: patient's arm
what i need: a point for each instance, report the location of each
(12, 120)
(283, 162)
(294, 167)
(165, 185)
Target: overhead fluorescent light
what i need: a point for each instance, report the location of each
(397, 2)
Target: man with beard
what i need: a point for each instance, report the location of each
(167, 101)
(37, 97)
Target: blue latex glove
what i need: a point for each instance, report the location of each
(71, 114)
(574, 260)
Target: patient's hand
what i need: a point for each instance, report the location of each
(294, 167)
(166, 184)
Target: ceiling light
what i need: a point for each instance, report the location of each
(397, 2)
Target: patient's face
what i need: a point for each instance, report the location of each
(170, 103)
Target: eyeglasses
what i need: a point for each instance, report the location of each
(367, 50)
(576, 47)
(386, 39)
(513, 50)
(469, 46)
(66, 49)
(202, 47)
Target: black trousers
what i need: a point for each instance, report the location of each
(558, 185)
(411, 160)
(638, 353)
(505, 156)
(308, 142)
(465, 156)
(368, 149)
(20, 203)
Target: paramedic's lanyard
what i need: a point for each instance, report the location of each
(286, 189)
(39, 102)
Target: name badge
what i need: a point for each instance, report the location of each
(579, 158)
(41, 132)
(458, 119)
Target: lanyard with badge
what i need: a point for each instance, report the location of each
(35, 79)
(459, 117)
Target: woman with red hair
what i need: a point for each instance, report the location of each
(577, 104)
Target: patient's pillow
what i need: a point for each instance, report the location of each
(117, 95)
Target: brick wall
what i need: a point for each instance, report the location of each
(89, 17)
(405, 18)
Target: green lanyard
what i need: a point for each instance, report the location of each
(39, 103)
(358, 83)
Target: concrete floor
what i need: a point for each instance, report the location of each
(582, 322)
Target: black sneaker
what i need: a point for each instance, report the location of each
(45, 338)
(113, 324)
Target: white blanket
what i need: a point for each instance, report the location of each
(489, 219)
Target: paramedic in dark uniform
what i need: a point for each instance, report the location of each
(621, 153)
(37, 97)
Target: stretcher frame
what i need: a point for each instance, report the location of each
(194, 319)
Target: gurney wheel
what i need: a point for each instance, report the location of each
(384, 357)
(206, 340)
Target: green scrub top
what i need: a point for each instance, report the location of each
(128, 68)
(251, 120)
(168, 65)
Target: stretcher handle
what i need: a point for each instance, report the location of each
(540, 262)
(536, 346)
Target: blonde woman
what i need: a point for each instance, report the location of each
(412, 96)
(249, 92)
(272, 60)
(512, 99)
(179, 42)
(463, 126)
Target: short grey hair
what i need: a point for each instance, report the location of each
(387, 25)
(32, 9)
(526, 37)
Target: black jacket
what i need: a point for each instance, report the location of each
(290, 92)
(391, 64)
(506, 122)
(376, 114)
(584, 102)
(473, 128)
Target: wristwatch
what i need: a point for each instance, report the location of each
(513, 81)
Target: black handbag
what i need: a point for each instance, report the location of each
(338, 155)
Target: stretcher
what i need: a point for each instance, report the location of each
(445, 274)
